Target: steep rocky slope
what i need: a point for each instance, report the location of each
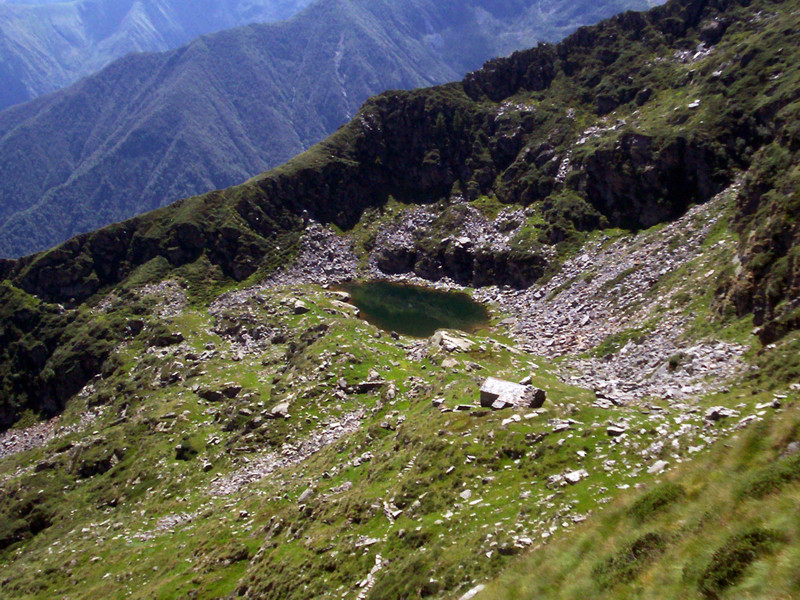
(227, 426)
(153, 128)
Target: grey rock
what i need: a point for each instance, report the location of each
(306, 496)
(279, 411)
(211, 395)
(500, 404)
(300, 307)
(775, 403)
(167, 339)
(561, 426)
(368, 386)
(791, 449)
(574, 477)
(512, 394)
(443, 340)
(658, 467)
(230, 389)
(716, 413)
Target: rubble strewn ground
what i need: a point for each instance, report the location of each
(324, 258)
(297, 413)
(291, 454)
(14, 441)
(606, 290)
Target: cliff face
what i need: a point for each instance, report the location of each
(768, 284)
(152, 128)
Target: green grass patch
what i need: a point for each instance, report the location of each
(656, 501)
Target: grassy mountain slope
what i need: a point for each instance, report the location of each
(150, 129)
(616, 198)
(533, 128)
(48, 45)
(723, 526)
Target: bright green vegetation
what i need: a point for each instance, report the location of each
(130, 511)
(721, 526)
(175, 474)
(414, 310)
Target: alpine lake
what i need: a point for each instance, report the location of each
(414, 310)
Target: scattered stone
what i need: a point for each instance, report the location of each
(306, 495)
(364, 458)
(473, 592)
(449, 342)
(449, 363)
(346, 308)
(211, 395)
(716, 413)
(364, 387)
(574, 477)
(775, 403)
(658, 467)
(615, 430)
(391, 511)
(367, 584)
(792, 449)
(290, 454)
(501, 404)
(300, 307)
(162, 340)
(279, 411)
(560, 426)
(747, 421)
(230, 390)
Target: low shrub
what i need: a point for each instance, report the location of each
(729, 561)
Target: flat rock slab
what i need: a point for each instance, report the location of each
(499, 394)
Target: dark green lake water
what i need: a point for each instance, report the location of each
(414, 310)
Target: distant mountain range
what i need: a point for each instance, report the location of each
(152, 128)
(45, 46)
